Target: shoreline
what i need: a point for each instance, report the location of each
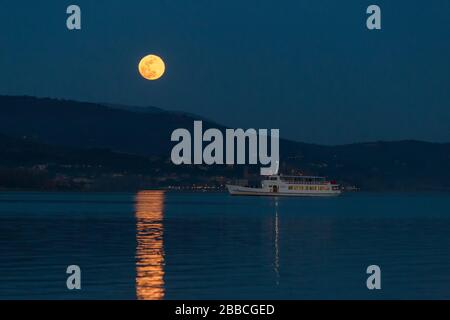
(223, 191)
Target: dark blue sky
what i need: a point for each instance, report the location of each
(310, 68)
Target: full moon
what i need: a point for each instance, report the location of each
(151, 67)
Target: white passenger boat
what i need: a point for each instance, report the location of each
(297, 186)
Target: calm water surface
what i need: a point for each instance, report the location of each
(155, 245)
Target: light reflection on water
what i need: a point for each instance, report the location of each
(150, 256)
(276, 245)
(150, 245)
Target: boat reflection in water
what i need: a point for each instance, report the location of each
(277, 244)
(150, 245)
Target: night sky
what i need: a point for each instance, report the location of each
(310, 68)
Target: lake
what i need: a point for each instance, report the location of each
(157, 245)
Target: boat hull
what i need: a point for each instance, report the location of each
(246, 191)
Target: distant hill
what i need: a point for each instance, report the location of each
(398, 165)
(28, 164)
(153, 110)
(149, 109)
(79, 124)
(130, 140)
